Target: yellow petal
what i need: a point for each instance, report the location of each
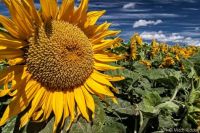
(95, 30)
(47, 106)
(104, 44)
(30, 7)
(24, 120)
(71, 104)
(37, 101)
(89, 100)
(49, 9)
(21, 78)
(6, 81)
(101, 28)
(88, 89)
(92, 17)
(4, 92)
(4, 74)
(115, 100)
(10, 26)
(97, 77)
(97, 38)
(37, 115)
(66, 10)
(110, 78)
(105, 67)
(65, 107)
(16, 61)
(99, 88)
(10, 53)
(102, 80)
(21, 18)
(10, 42)
(107, 58)
(80, 100)
(22, 101)
(80, 13)
(57, 107)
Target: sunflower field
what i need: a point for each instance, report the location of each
(60, 72)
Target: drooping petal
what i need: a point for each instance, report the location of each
(24, 120)
(14, 70)
(38, 99)
(95, 76)
(88, 88)
(38, 115)
(71, 104)
(99, 88)
(22, 101)
(47, 106)
(80, 100)
(57, 107)
(4, 92)
(65, 108)
(89, 100)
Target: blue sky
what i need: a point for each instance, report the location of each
(171, 21)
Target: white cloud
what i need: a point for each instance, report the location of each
(143, 22)
(129, 5)
(174, 37)
(140, 16)
(197, 28)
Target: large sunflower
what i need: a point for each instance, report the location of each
(55, 56)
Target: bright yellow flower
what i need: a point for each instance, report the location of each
(177, 57)
(55, 55)
(154, 48)
(167, 61)
(164, 48)
(136, 39)
(133, 51)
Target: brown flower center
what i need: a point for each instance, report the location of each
(60, 56)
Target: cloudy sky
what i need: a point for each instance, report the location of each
(171, 21)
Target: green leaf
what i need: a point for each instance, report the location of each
(81, 126)
(171, 106)
(166, 121)
(9, 127)
(123, 107)
(150, 101)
